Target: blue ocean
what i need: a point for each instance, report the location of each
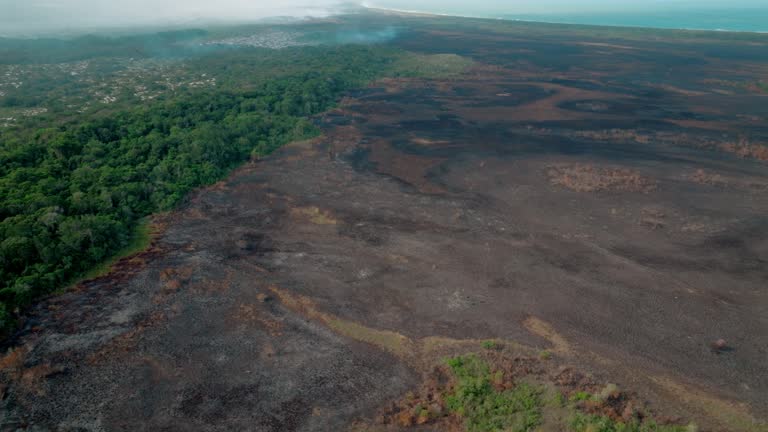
(745, 19)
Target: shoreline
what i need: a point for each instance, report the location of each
(439, 14)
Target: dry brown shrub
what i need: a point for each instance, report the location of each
(173, 285)
(33, 379)
(13, 361)
(745, 149)
(745, 184)
(174, 278)
(589, 178)
(315, 215)
(616, 135)
(30, 379)
(618, 406)
(425, 405)
(702, 177)
(571, 381)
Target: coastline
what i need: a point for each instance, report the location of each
(367, 6)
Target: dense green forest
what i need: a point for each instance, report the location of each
(73, 188)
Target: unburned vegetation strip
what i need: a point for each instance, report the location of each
(485, 408)
(496, 389)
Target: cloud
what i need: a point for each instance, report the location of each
(35, 16)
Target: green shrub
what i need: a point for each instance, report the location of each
(431, 66)
(592, 423)
(489, 344)
(486, 409)
(580, 396)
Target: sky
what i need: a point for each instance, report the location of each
(30, 16)
(34, 15)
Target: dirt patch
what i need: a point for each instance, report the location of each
(172, 279)
(13, 360)
(314, 215)
(679, 90)
(428, 142)
(411, 169)
(302, 149)
(544, 109)
(545, 330)
(395, 343)
(30, 379)
(732, 416)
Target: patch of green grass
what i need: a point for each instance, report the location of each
(559, 400)
(545, 355)
(423, 413)
(580, 396)
(591, 423)
(393, 342)
(486, 409)
(489, 344)
(437, 66)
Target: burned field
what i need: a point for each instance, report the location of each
(595, 206)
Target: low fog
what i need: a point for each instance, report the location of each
(54, 16)
(50, 16)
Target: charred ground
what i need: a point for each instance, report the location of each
(594, 193)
